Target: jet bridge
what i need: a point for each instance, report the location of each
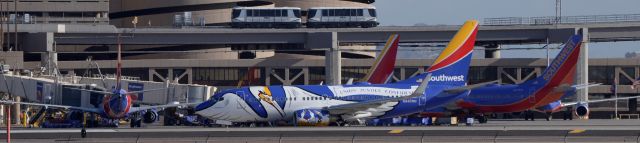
(58, 90)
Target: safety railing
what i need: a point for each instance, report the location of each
(548, 20)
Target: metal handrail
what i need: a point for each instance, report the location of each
(548, 20)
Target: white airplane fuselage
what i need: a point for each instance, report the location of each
(279, 103)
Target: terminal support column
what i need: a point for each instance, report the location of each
(333, 62)
(492, 51)
(15, 114)
(583, 65)
(49, 59)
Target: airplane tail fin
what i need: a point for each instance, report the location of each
(119, 65)
(385, 62)
(562, 69)
(452, 65)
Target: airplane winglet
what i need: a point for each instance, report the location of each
(350, 81)
(423, 86)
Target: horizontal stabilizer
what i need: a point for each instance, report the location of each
(565, 87)
(599, 100)
(582, 86)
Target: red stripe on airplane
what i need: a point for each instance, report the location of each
(466, 48)
(386, 65)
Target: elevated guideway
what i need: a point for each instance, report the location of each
(502, 34)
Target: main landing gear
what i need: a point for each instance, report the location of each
(547, 115)
(529, 115)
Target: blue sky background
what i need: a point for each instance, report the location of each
(454, 12)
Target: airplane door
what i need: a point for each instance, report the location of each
(422, 101)
(244, 97)
(325, 99)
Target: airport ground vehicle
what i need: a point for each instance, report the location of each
(254, 17)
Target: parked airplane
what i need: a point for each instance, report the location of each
(556, 82)
(116, 104)
(320, 105)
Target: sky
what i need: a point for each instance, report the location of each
(455, 12)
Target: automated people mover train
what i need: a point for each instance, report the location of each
(291, 17)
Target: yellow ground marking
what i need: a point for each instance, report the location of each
(577, 131)
(396, 131)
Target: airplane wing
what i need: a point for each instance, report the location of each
(142, 91)
(136, 109)
(94, 91)
(599, 100)
(94, 110)
(468, 87)
(359, 106)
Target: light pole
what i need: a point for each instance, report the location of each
(558, 11)
(15, 23)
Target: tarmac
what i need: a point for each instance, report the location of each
(494, 131)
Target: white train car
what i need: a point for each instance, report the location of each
(340, 17)
(254, 17)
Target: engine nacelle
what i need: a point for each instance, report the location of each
(312, 117)
(150, 117)
(582, 110)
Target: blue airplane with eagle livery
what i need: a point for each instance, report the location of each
(317, 105)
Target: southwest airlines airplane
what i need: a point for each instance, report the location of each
(556, 81)
(541, 94)
(318, 105)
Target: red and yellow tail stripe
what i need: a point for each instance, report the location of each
(459, 47)
(385, 62)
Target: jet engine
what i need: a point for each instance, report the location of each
(582, 109)
(311, 117)
(150, 117)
